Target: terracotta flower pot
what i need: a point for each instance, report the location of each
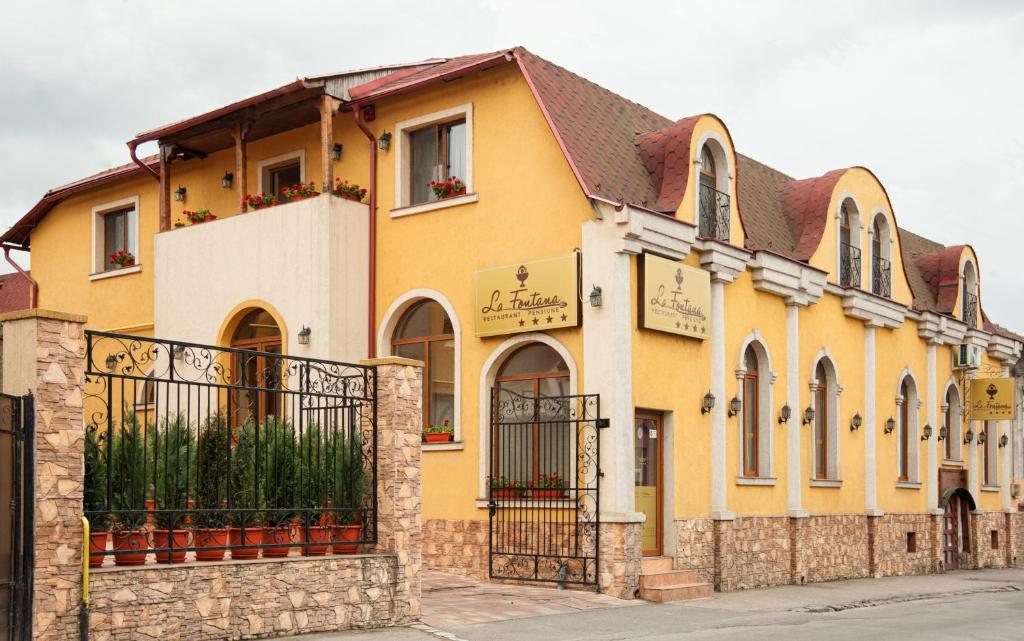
(132, 545)
(454, 194)
(253, 537)
(506, 493)
(350, 197)
(319, 534)
(97, 545)
(347, 533)
(176, 539)
(214, 538)
(437, 437)
(547, 494)
(280, 535)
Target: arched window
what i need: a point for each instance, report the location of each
(849, 245)
(256, 371)
(825, 402)
(904, 433)
(425, 333)
(969, 296)
(989, 454)
(751, 411)
(821, 423)
(531, 436)
(881, 267)
(953, 417)
(713, 197)
(907, 427)
(754, 379)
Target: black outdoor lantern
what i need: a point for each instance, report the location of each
(808, 415)
(927, 433)
(596, 299)
(227, 180)
(982, 437)
(943, 433)
(969, 436)
(890, 425)
(856, 422)
(110, 362)
(1003, 440)
(785, 413)
(179, 194)
(708, 404)
(304, 334)
(384, 142)
(735, 405)
(336, 151)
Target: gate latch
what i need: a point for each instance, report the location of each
(603, 423)
(492, 508)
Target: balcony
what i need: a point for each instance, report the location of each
(881, 276)
(714, 213)
(305, 260)
(970, 309)
(849, 265)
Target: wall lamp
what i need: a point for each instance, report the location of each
(856, 422)
(890, 425)
(227, 180)
(304, 335)
(336, 151)
(110, 362)
(968, 436)
(179, 193)
(384, 142)
(982, 437)
(926, 433)
(785, 413)
(808, 415)
(943, 433)
(708, 403)
(735, 405)
(1003, 440)
(178, 352)
(596, 299)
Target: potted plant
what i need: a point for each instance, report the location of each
(122, 259)
(198, 217)
(94, 495)
(447, 188)
(258, 201)
(172, 449)
(548, 487)
(246, 532)
(277, 479)
(348, 191)
(505, 488)
(348, 489)
(314, 469)
(128, 492)
(213, 460)
(300, 191)
(443, 433)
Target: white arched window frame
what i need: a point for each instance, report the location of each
(832, 391)
(716, 146)
(489, 372)
(881, 241)
(389, 324)
(952, 420)
(912, 403)
(764, 404)
(849, 264)
(969, 289)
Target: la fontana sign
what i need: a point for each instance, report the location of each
(525, 297)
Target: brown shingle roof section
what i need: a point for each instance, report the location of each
(757, 186)
(913, 248)
(666, 154)
(15, 293)
(804, 204)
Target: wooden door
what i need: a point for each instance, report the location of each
(648, 478)
(951, 539)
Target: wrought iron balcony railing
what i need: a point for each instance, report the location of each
(970, 309)
(714, 213)
(881, 277)
(849, 265)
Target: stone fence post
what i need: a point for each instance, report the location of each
(44, 354)
(399, 473)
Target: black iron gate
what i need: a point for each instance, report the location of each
(543, 487)
(16, 516)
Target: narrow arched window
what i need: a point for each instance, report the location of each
(881, 266)
(849, 250)
(713, 200)
(951, 445)
(821, 420)
(257, 371)
(904, 432)
(751, 413)
(969, 296)
(425, 333)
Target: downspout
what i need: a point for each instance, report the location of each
(371, 299)
(33, 286)
(135, 159)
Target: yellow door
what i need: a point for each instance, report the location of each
(647, 470)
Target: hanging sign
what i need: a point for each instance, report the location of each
(527, 297)
(993, 399)
(674, 297)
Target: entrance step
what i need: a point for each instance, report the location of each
(660, 583)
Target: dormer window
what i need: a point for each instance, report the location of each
(969, 296)
(713, 199)
(881, 266)
(849, 249)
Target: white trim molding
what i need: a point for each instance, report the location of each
(402, 147)
(280, 159)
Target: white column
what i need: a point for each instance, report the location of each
(1005, 457)
(719, 502)
(933, 461)
(870, 426)
(793, 479)
(972, 458)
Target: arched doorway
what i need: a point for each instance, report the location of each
(957, 504)
(256, 370)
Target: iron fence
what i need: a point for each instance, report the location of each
(714, 213)
(881, 277)
(970, 309)
(849, 265)
(205, 449)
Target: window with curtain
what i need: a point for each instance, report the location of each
(425, 333)
(904, 432)
(751, 414)
(821, 422)
(437, 152)
(119, 235)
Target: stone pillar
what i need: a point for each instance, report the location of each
(621, 552)
(44, 355)
(399, 473)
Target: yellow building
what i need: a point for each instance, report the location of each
(646, 343)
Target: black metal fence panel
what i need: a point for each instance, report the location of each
(206, 449)
(17, 501)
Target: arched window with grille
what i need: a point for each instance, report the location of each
(425, 333)
(881, 265)
(849, 245)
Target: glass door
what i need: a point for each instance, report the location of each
(647, 472)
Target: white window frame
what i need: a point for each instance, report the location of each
(402, 159)
(856, 231)
(766, 384)
(833, 390)
(99, 250)
(913, 480)
(269, 163)
(953, 432)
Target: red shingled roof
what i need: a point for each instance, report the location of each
(940, 269)
(15, 292)
(666, 155)
(805, 206)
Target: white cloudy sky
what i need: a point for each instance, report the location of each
(927, 94)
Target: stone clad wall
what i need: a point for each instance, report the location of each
(892, 557)
(753, 552)
(621, 551)
(695, 547)
(456, 546)
(826, 548)
(982, 525)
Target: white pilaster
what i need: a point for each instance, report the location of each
(794, 480)
(933, 417)
(719, 501)
(972, 459)
(870, 425)
(1005, 456)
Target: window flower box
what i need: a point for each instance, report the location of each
(348, 191)
(443, 433)
(198, 217)
(548, 487)
(297, 192)
(450, 188)
(502, 488)
(259, 201)
(123, 259)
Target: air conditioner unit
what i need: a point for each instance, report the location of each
(967, 357)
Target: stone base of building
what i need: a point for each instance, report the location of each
(248, 599)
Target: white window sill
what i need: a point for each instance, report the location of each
(437, 204)
(829, 483)
(755, 480)
(443, 447)
(952, 463)
(990, 488)
(908, 485)
(124, 271)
